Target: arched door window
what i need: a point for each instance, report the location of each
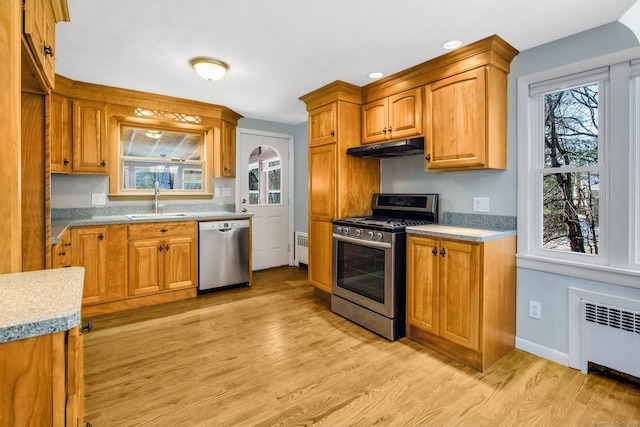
(265, 177)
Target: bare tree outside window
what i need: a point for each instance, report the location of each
(571, 179)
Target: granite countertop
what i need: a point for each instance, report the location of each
(39, 302)
(60, 224)
(459, 233)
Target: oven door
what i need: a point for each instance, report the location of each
(363, 273)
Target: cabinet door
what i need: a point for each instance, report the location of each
(456, 121)
(61, 251)
(374, 121)
(405, 114)
(146, 271)
(89, 137)
(60, 127)
(180, 264)
(88, 245)
(74, 410)
(322, 182)
(423, 294)
(228, 151)
(320, 254)
(323, 125)
(48, 64)
(460, 293)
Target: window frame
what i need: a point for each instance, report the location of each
(619, 213)
(116, 175)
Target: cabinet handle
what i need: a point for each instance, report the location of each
(48, 51)
(428, 157)
(67, 244)
(103, 163)
(160, 248)
(384, 130)
(164, 230)
(333, 133)
(166, 248)
(443, 252)
(87, 327)
(434, 251)
(63, 253)
(101, 236)
(65, 162)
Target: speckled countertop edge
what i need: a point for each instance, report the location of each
(39, 302)
(459, 233)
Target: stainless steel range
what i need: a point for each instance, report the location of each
(369, 261)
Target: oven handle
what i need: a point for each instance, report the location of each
(366, 243)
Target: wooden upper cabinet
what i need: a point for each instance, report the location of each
(60, 129)
(465, 121)
(89, 137)
(323, 125)
(228, 151)
(394, 117)
(40, 17)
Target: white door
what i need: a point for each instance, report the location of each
(263, 178)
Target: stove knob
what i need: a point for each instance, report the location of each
(346, 230)
(358, 232)
(339, 229)
(379, 236)
(370, 234)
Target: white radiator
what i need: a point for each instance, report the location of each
(301, 253)
(610, 336)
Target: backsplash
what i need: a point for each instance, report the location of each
(483, 221)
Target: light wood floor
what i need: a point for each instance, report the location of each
(276, 355)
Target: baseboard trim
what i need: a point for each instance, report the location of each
(542, 351)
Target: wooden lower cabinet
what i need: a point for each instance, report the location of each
(320, 251)
(162, 257)
(461, 297)
(101, 250)
(61, 251)
(42, 380)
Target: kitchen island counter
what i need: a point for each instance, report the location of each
(39, 302)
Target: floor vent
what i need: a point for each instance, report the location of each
(610, 337)
(301, 253)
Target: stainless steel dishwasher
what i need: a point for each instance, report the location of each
(223, 254)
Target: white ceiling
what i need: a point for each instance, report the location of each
(278, 50)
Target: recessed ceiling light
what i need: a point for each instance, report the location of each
(452, 44)
(376, 75)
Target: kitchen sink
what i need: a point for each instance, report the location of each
(157, 215)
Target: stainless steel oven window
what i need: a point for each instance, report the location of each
(363, 273)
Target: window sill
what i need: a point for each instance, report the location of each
(598, 273)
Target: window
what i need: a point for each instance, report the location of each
(578, 190)
(265, 177)
(174, 157)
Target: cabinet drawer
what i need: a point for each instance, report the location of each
(150, 230)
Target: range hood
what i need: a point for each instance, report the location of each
(403, 147)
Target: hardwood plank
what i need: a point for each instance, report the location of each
(273, 354)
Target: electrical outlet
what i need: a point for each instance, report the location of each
(535, 309)
(98, 199)
(481, 204)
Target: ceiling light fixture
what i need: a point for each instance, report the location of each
(209, 68)
(376, 75)
(153, 134)
(451, 44)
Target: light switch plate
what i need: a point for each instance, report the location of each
(481, 204)
(98, 199)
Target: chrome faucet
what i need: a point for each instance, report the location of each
(156, 193)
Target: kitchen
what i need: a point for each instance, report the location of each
(458, 188)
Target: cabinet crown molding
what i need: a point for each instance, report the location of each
(336, 91)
